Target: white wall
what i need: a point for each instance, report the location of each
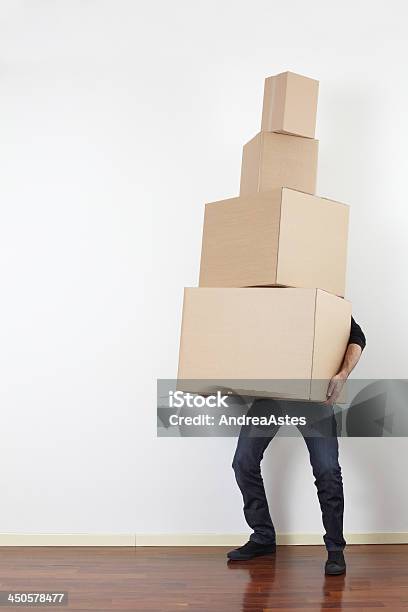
(118, 121)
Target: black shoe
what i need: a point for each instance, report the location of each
(335, 564)
(251, 550)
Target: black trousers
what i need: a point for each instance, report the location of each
(320, 435)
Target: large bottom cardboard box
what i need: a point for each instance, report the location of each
(272, 160)
(279, 237)
(278, 342)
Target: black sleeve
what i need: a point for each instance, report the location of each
(356, 335)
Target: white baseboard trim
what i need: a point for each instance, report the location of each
(67, 539)
(184, 539)
(283, 539)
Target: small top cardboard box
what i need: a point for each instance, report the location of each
(290, 104)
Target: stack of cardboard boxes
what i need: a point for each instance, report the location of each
(269, 318)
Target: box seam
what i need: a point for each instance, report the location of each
(260, 143)
(272, 92)
(313, 345)
(285, 85)
(279, 233)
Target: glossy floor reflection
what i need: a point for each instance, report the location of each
(275, 582)
(202, 579)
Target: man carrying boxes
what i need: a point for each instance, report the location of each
(321, 441)
(270, 312)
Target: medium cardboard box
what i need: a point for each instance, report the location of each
(263, 342)
(290, 104)
(272, 160)
(279, 237)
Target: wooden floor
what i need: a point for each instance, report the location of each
(160, 579)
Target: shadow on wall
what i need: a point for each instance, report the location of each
(353, 156)
(349, 151)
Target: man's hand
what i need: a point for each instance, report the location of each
(334, 389)
(351, 357)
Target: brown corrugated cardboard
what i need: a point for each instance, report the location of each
(279, 237)
(262, 341)
(272, 160)
(290, 104)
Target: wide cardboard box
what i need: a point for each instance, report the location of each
(264, 342)
(290, 104)
(272, 160)
(279, 237)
